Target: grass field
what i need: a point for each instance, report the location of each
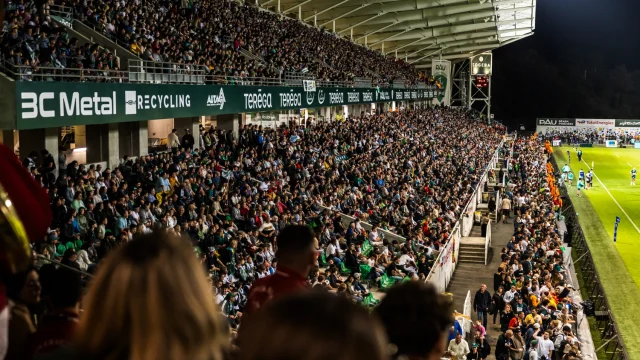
(618, 264)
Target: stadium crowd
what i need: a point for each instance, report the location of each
(205, 35)
(36, 48)
(572, 136)
(209, 33)
(532, 300)
(404, 172)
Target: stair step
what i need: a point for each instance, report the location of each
(471, 246)
(471, 258)
(468, 253)
(472, 250)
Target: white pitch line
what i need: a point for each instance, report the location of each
(629, 164)
(617, 155)
(614, 200)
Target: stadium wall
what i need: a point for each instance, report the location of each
(545, 124)
(54, 104)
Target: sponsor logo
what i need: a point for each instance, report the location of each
(157, 101)
(441, 67)
(217, 100)
(367, 97)
(258, 100)
(628, 123)
(596, 122)
(321, 97)
(384, 96)
(266, 117)
(336, 98)
(480, 62)
(290, 99)
(310, 97)
(353, 96)
(50, 104)
(130, 102)
(558, 122)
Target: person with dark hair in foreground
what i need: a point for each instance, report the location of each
(296, 256)
(416, 318)
(315, 325)
(57, 326)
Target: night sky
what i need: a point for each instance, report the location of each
(563, 69)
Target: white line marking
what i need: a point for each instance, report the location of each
(629, 164)
(617, 155)
(614, 199)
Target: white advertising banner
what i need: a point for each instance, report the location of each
(596, 123)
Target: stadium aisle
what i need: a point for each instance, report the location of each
(470, 276)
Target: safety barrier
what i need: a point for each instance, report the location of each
(466, 217)
(156, 72)
(605, 324)
(58, 263)
(487, 243)
(468, 307)
(445, 264)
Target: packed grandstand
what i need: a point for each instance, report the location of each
(190, 35)
(177, 254)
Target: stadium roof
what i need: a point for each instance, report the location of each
(418, 30)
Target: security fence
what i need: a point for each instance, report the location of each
(596, 303)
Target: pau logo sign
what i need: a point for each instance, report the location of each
(556, 122)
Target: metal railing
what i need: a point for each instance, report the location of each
(296, 79)
(65, 12)
(157, 72)
(487, 243)
(58, 263)
(248, 81)
(362, 82)
(592, 289)
(49, 73)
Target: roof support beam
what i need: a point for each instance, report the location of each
(391, 37)
(409, 44)
(345, 14)
(299, 5)
(327, 9)
(427, 55)
(267, 3)
(423, 49)
(360, 23)
(378, 30)
(446, 57)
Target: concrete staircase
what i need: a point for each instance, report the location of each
(471, 253)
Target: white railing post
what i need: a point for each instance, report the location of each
(487, 243)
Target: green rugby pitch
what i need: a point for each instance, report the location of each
(618, 264)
